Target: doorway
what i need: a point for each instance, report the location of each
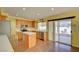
(60, 31)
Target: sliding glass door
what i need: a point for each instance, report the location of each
(60, 31)
(64, 31)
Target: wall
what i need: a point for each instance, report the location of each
(13, 31)
(50, 33)
(75, 24)
(5, 28)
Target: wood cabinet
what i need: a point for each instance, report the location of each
(20, 36)
(22, 42)
(32, 40)
(25, 41)
(45, 36)
(33, 24)
(3, 18)
(25, 22)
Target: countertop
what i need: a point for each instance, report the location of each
(29, 33)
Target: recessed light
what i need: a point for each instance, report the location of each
(23, 9)
(52, 9)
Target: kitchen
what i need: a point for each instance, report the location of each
(24, 34)
(29, 33)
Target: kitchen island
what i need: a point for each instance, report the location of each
(26, 40)
(31, 38)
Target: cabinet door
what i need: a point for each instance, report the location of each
(20, 36)
(45, 36)
(2, 18)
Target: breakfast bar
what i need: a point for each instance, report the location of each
(26, 40)
(31, 38)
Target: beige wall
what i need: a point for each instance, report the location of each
(50, 31)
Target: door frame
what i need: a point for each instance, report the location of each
(62, 19)
(53, 31)
(71, 33)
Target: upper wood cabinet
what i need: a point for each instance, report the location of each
(3, 17)
(25, 22)
(33, 23)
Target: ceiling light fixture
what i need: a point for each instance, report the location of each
(52, 9)
(23, 9)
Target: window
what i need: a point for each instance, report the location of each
(42, 26)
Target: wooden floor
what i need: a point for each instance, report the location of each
(50, 46)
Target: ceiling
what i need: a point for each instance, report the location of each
(35, 12)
